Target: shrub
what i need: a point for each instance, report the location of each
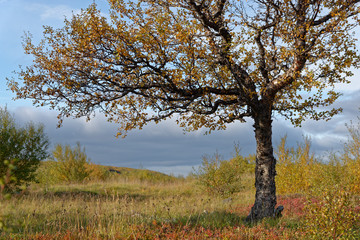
(48, 173)
(332, 216)
(67, 165)
(23, 147)
(351, 158)
(97, 172)
(223, 177)
(4, 181)
(1, 224)
(71, 164)
(298, 171)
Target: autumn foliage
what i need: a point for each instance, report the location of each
(205, 60)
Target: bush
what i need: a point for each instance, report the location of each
(351, 158)
(299, 171)
(46, 173)
(4, 180)
(332, 216)
(222, 177)
(7, 179)
(22, 149)
(97, 172)
(69, 165)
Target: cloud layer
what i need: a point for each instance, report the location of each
(166, 148)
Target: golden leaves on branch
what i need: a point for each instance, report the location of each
(209, 61)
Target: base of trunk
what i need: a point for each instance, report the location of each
(265, 198)
(262, 209)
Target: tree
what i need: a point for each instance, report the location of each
(209, 62)
(21, 150)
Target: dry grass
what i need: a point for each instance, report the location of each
(108, 209)
(134, 209)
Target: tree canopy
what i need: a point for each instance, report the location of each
(209, 61)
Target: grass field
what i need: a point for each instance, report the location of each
(130, 208)
(321, 200)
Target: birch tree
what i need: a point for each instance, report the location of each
(207, 63)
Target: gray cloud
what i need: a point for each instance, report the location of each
(165, 147)
(331, 135)
(162, 146)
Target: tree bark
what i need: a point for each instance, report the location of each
(265, 197)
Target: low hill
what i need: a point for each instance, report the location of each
(141, 174)
(52, 171)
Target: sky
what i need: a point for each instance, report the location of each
(163, 147)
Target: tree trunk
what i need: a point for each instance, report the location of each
(265, 198)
